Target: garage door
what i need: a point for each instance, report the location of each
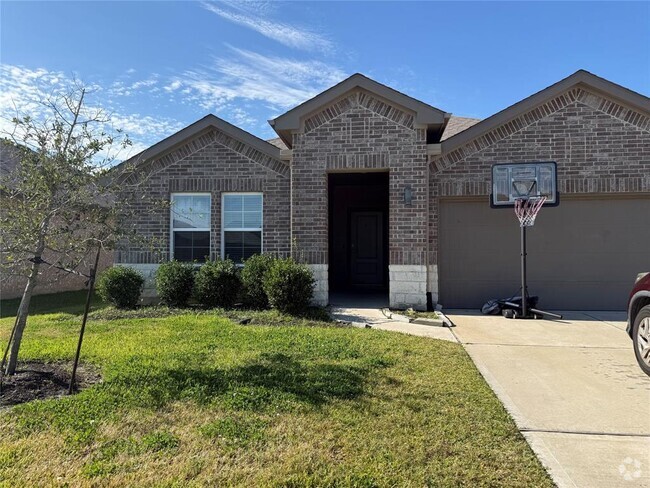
(583, 254)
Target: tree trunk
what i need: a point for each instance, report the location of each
(23, 311)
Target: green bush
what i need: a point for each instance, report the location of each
(252, 278)
(217, 284)
(289, 286)
(120, 286)
(174, 283)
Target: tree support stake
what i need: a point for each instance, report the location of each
(91, 287)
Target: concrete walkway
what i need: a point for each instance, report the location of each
(366, 310)
(574, 389)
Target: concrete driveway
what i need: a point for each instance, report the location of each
(574, 390)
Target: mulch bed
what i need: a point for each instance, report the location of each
(38, 381)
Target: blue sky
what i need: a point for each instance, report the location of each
(158, 66)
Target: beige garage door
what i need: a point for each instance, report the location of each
(583, 254)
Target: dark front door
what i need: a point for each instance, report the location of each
(366, 249)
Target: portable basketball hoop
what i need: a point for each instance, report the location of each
(526, 187)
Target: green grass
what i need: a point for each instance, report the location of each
(67, 302)
(198, 400)
(415, 314)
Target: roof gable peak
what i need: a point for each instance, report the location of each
(425, 116)
(580, 79)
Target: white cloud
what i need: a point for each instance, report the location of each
(122, 88)
(241, 117)
(142, 126)
(246, 14)
(280, 83)
(22, 90)
(244, 87)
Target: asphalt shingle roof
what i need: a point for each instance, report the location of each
(277, 142)
(456, 125)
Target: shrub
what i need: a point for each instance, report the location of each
(289, 286)
(252, 278)
(174, 283)
(217, 284)
(120, 286)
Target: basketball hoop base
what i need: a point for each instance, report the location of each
(512, 308)
(531, 313)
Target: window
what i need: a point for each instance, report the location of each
(190, 228)
(241, 225)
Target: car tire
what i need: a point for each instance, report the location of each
(641, 338)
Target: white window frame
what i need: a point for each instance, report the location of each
(171, 221)
(243, 229)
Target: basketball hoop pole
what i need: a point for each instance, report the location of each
(524, 286)
(526, 213)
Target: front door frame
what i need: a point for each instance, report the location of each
(338, 281)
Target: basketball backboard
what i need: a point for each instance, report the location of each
(513, 181)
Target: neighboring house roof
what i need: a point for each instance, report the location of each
(208, 122)
(425, 114)
(456, 125)
(579, 78)
(11, 155)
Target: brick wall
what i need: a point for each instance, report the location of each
(211, 163)
(363, 133)
(599, 146)
(357, 133)
(52, 280)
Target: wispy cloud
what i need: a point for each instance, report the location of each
(278, 82)
(125, 88)
(244, 87)
(22, 89)
(247, 15)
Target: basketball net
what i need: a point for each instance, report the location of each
(526, 209)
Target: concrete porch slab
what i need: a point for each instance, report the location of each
(362, 310)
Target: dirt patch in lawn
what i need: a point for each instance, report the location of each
(38, 381)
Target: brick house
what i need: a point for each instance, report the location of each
(51, 279)
(380, 192)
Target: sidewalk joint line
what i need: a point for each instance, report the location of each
(586, 432)
(543, 345)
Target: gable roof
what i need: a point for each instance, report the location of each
(579, 78)
(202, 125)
(425, 114)
(453, 127)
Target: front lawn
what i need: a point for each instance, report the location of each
(200, 400)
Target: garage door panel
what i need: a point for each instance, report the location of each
(578, 295)
(580, 266)
(460, 295)
(583, 254)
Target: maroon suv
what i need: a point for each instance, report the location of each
(638, 320)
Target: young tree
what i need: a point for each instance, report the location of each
(60, 199)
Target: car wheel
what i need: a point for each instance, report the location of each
(641, 338)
